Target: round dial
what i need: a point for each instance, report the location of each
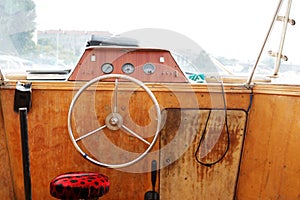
(128, 68)
(107, 68)
(149, 68)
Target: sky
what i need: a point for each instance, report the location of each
(231, 28)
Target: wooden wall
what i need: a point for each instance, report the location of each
(210, 176)
(51, 150)
(269, 167)
(6, 182)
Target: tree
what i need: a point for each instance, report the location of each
(17, 26)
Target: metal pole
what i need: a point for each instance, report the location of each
(285, 23)
(247, 85)
(25, 152)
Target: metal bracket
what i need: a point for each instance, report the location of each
(2, 81)
(22, 97)
(274, 54)
(282, 19)
(249, 86)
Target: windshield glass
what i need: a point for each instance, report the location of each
(53, 34)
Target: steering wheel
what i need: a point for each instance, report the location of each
(113, 121)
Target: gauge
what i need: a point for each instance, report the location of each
(149, 68)
(107, 68)
(128, 68)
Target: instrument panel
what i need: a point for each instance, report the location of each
(128, 68)
(144, 64)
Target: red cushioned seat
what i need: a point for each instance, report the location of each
(79, 185)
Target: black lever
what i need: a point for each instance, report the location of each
(22, 104)
(152, 195)
(153, 173)
(25, 152)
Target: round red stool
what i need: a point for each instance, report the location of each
(79, 185)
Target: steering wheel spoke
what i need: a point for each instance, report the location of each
(135, 135)
(90, 133)
(115, 103)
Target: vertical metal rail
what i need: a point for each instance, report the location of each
(284, 28)
(248, 83)
(1, 78)
(25, 152)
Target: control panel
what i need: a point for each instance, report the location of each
(144, 64)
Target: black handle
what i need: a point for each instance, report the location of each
(152, 195)
(25, 152)
(153, 173)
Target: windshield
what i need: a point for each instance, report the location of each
(229, 34)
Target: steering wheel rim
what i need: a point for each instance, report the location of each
(113, 114)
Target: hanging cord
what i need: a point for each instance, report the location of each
(250, 101)
(204, 132)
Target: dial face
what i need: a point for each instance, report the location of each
(107, 68)
(149, 68)
(128, 68)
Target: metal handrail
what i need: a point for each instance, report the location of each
(284, 28)
(279, 54)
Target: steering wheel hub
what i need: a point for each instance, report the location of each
(114, 121)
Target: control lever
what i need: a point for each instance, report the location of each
(152, 195)
(22, 104)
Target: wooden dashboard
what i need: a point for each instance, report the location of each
(144, 64)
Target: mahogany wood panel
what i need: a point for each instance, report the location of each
(270, 166)
(166, 71)
(185, 178)
(51, 150)
(6, 183)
